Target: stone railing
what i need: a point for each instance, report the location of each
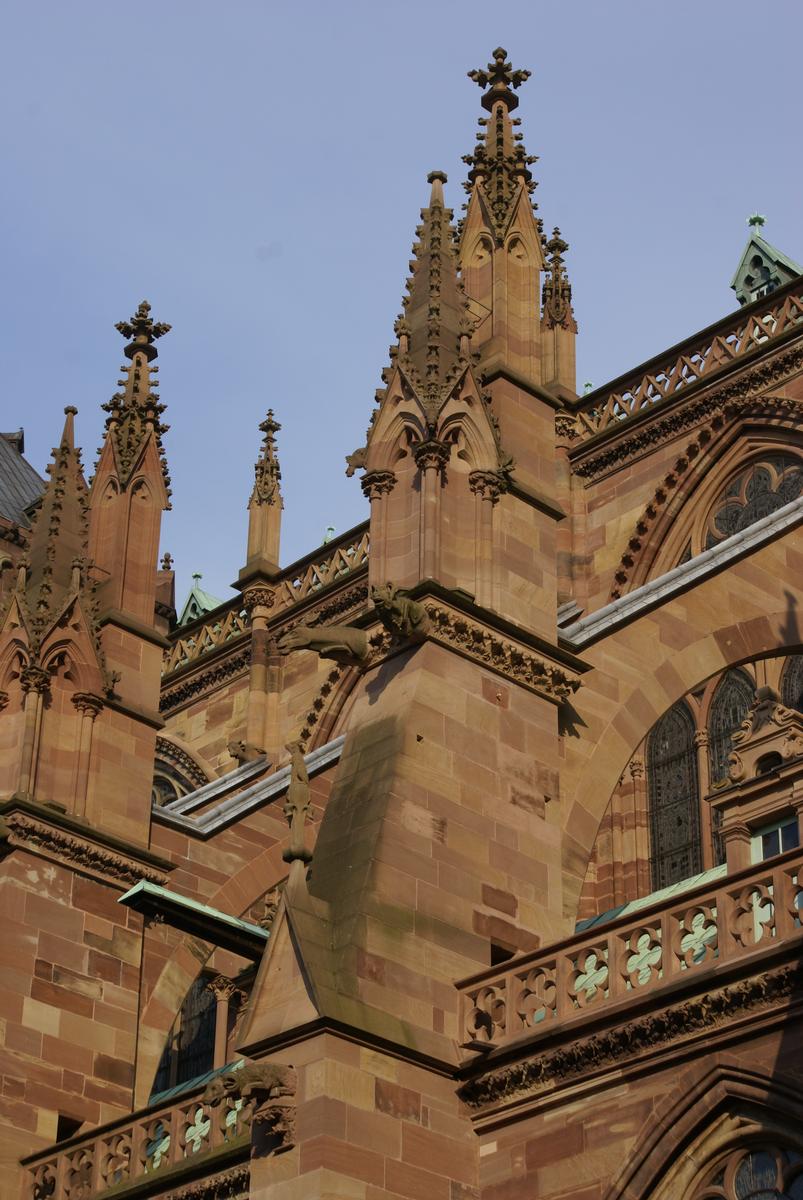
(146, 1151)
(627, 957)
(715, 348)
(331, 562)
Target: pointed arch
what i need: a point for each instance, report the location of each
(671, 524)
(715, 1108)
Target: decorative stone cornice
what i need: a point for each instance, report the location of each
(224, 1185)
(53, 841)
(377, 483)
(539, 1072)
(500, 654)
(205, 681)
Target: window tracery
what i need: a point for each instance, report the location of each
(756, 491)
(674, 798)
(733, 697)
(174, 774)
(757, 1173)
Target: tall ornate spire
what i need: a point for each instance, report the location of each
(266, 504)
(557, 291)
(58, 544)
(136, 411)
(434, 328)
(499, 165)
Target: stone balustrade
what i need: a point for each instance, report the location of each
(764, 321)
(334, 561)
(148, 1151)
(738, 915)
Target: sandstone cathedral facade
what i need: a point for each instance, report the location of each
(460, 859)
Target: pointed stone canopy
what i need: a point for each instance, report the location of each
(58, 544)
(135, 412)
(557, 291)
(435, 326)
(267, 472)
(499, 165)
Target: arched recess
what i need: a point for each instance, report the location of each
(714, 1109)
(687, 492)
(177, 770)
(673, 790)
(190, 957)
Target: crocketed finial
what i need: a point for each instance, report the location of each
(499, 78)
(142, 332)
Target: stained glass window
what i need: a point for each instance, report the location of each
(792, 682)
(757, 491)
(674, 798)
(191, 1046)
(760, 1173)
(732, 699)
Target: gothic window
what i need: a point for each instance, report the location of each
(190, 1048)
(758, 1173)
(674, 798)
(758, 490)
(174, 774)
(792, 683)
(733, 697)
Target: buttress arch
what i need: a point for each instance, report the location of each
(754, 610)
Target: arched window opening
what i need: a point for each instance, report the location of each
(190, 1048)
(757, 1173)
(174, 774)
(676, 851)
(758, 490)
(792, 683)
(732, 699)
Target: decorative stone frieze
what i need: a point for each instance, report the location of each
(26, 832)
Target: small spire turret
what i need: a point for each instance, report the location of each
(556, 295)
(266, 504)
(58, 545)
(136, 411)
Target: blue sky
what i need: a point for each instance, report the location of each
(256, 170)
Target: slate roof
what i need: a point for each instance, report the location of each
(20, 484)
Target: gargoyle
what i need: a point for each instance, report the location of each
(399, 614)
(272, 1088)
(355, 461)
(343, 643)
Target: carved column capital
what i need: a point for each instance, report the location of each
(258, 597)
(636, 768)
(35, 679)
(566, 427)
(87, 703)
(431, 455)
(701, 737)
(377, 483)
(488, 485)
(222, 988)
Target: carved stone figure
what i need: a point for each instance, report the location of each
(343, 643)
(297, 805)
(399, 614)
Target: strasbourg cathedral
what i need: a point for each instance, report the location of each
(461, 859)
